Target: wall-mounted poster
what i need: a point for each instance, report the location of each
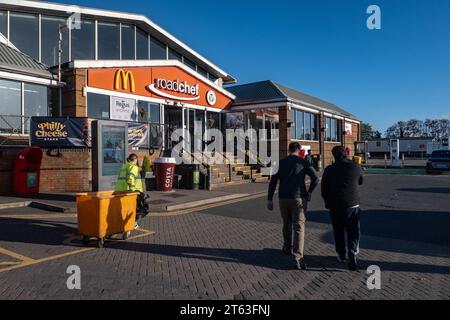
(348, 129)
(123, 109)
(138, 135)
(59, 132)
(113, 150)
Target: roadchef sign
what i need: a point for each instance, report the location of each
(175, 86)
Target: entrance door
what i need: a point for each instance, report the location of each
(173, 119)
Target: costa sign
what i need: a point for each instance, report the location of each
(164, 83)
(175, 86)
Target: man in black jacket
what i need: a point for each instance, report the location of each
(293, 200)
(340, 184)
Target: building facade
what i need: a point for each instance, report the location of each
(124, 67)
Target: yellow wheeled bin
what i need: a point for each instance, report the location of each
(104, 214)
(358, 160)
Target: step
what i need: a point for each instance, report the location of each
(260, 180)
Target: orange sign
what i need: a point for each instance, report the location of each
(165, 83)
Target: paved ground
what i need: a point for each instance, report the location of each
(232, 252)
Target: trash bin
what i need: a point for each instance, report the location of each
(104, 214)
(164, 171)
(27, 166)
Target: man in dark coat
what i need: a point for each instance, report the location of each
(340, 190)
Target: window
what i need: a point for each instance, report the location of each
(202, 71)
(127, 42)
(10, 106)
(173, 55)
(24, 33)
(108, 41)
(314, 133)
(50, 36)
(293, 115)
(98, 106)
(308, 135)
(212, 78)
(333, 130)
(83, 41)
(158, 50)
(299, 125)
(149, 112)
(35, 102)
(213, 120)
(4, 23)
(141, 45)
(190, 64)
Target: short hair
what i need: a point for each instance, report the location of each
(132, 157)
(339, 153)
(294, 147)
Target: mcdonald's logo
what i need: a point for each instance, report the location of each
(124, 78)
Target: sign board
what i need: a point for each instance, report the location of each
(395, 152)
(123, 109)
(59, 132)
(110, 151)
(348, 129)
(138, 135)
(171, 83)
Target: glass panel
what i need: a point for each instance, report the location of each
(35, 102)
(98, 106)
(299, 125)
(173, 55)
(83, 46)
(190, 63)
(293, 135)
(141, 44)
(10, 104)
(212, 78)
(108, 41)
(155, 113)
(333, 130)
(202, 71)
(213, 120)
(50, 39)
(307, 126)
(127, 42)
(3, 23)
(24, 33)
(143, 115)
(314, 127)
(328, 129)
(158, 50)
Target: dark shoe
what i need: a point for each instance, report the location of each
(342, 258)
(352, 263)
(300, 265)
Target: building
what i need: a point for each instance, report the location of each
(409, 147)
(124, 67)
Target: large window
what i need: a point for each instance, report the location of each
(191, 64)
(333, 129)
(10, 106)
(83, 41)
(158, 50)
(35, 102)
(305, 126)
(50, 34)
(202, 71)
(149, 112)
(98, 106)
(108, 41)
(24, 33)
(141, 45)
(4, 23)
(173, 55)
(128, 42)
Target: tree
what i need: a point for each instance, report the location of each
(430, 128)
(367, 132)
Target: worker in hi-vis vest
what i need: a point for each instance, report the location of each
(130, 180)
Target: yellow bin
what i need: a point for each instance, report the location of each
(107, 213)
(358, 160)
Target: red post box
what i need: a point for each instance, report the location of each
(27, 166)
(164, 171)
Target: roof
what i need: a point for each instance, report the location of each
(270, 91)
(12, 60)
(140, 20)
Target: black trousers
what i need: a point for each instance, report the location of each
(346, 221)
(142, 208)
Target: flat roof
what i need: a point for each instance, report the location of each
(138, 19)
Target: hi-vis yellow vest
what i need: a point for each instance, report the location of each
(129, 178)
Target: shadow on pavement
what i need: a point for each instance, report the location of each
(416, 226)
(427, 190)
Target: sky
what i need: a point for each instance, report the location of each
(321, 47)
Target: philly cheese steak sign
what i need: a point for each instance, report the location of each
(59, 132)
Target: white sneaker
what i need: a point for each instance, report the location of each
(136, 226)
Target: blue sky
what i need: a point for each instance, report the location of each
(322, 47)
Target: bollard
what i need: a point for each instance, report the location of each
(385, 160)
(196, 178)
(403, 160)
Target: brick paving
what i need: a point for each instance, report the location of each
(225, 253)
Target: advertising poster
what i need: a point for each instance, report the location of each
(348, 129)
(113, 150)
(59, 132)
(138, 135)
(123, 109)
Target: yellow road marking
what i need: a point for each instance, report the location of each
(15, 255)
(31, 262)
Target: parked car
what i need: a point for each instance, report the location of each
(439, 162)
